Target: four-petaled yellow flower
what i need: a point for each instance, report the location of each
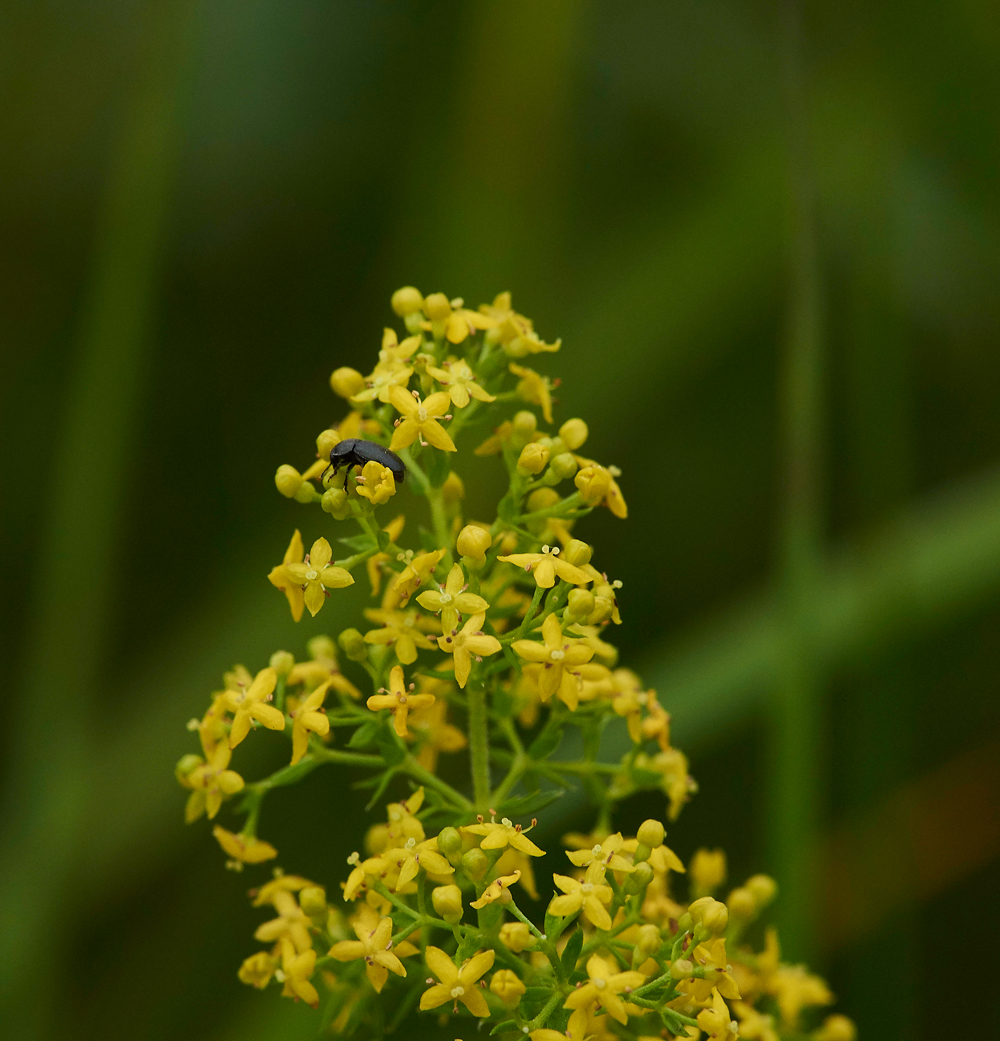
(605, 853)
(591, 896)
(457, 984)
(506, 833)
(376, 483)
(412, 856)
(393, 350)
(605, 985)
(316, 574)
(535, 389)
(417, 571)
(306, 719)
(717, 1022)
(375, 946)
(387, 376)
(712, 958)
(398, 700)
(400, 630)
(280, 578)
(244, 849)
(291, 922)
(460, 381)
(546, 566)
(211, 781)
(467, 643)
(451, 599)
(557, 656)
(296, 969)
(248, 704)
(420, 420)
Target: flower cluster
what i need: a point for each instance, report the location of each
(486, 638)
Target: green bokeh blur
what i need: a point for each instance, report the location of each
(206, 207)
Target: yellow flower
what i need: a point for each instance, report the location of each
(248, 704)
(451, 599)
(601, 486)
(672, 766)
(661, 858)
(535, 389)
(460, 381)
(557, 655)
(211, 781)
(506, 833)
(316, 575)
(605, 853)
(296, 969)
(496, 890)
(708, 871)
(591, 896)
(603, 988)
(375, 946)
(507, 987)
(516, 936)
(376, 483)
(257, 970)
(467, 643)
(386, 376)
(794, 987)
(412, 856)
(512, 860)
(836, 1028)
(515, 332)
(417, 571)
(547, 566)
(451, 319)
(308, 718)
(457, 984)
(718, 973)
(400, 629)
(244, 848)
(716, 1021)
(291, 923)
(398, 700)
(280, 578)
(420, 420)
(756, 1026)
(394, 351)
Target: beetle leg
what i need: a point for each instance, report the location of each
(347, 474)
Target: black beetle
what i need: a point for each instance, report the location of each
(354, 452)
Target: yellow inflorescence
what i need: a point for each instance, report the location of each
(486, 638)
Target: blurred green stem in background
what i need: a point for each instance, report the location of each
(45, 811)
(795, 771)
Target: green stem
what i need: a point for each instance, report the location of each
(429, 780)
(479, 748)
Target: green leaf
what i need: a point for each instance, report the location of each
(507, 1024)
(392, 749)
(547, 742)
(553, 925)
(571, 952)
(384, 780)
(365, 735)
(525, 805)
(383, 539)
(359, 543)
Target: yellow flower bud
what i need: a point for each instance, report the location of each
(335, 502)
(603, 609)
(475, 863)
(450, 842)
(651, 833)
(836, 1028)
(523, 426)
(185, 765)
(707, 871)
(352, 643)
(712, 914)
(407, 300)
(741, 903)
(321, 647)
(577, 553)
(306, 493)
(516, 936)
(532, 459)
(346, 382)
(288, 480)
(638, 879)
(573, 433)
(593, 483)
(437, 307)
(312, 900)
(257, 970)
(447, 901)
(562, 466)
(282, 662)
(326, 442)
(579, 603)
(542, 499)
(764, 890)
(649, 940)
(507, 987)
(474, 542)
(681, 969)
(453, 489)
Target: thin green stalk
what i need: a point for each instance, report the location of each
(429, 780)
(479, 748)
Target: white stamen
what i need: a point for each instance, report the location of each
(557, 655)
(311, 575)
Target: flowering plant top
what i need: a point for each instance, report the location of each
(489, 641)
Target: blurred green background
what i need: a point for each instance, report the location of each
(770, 241)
